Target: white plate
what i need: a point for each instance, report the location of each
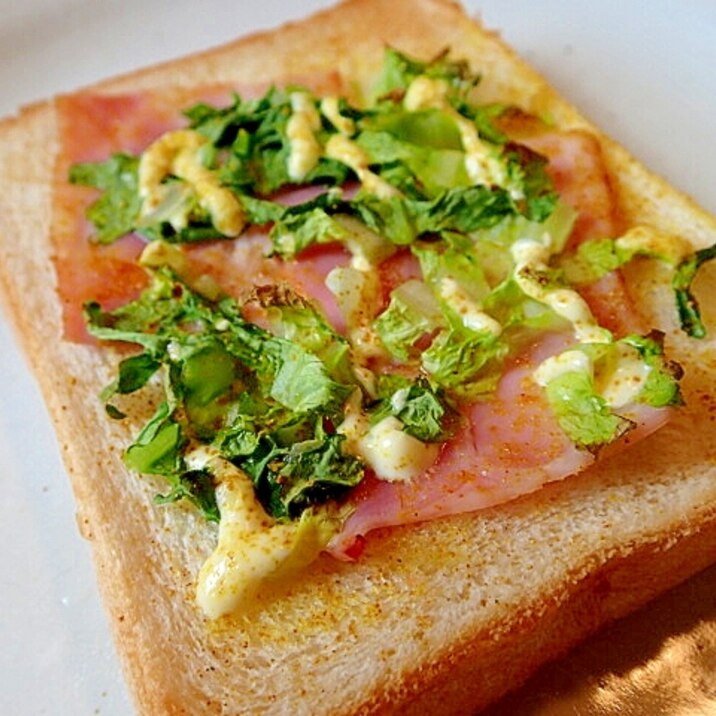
(642, 71)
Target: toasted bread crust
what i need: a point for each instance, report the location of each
(435, 618)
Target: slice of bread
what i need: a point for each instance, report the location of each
(441, 617)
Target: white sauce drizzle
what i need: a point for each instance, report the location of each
(470, 312)
(385, 447)
(305, 150)
(531, 258)
(177, 153)
(626, 380)
(330, 110)
(351, 154)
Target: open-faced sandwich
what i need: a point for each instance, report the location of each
(397, 372)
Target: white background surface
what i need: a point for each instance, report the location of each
(644, 71)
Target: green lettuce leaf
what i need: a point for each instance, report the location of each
(464, 363)
(592, 260)
(396, 134)
(583, 414)
(662, 384)
(157, 448)
(197, 486)
(114, 214)
(686, 303)
(252, 134)
(235, 386)
(290, 479)
(301, 381)
(306, 224)
(133, 373)
(417, 405)
(595, 258)
(436, 169)
(527, 173)
(399, 70)
(295, 319)
(412, 313)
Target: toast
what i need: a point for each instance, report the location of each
(480, 597)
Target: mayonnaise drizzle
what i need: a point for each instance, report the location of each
(531, 258)
(351, 154)
(305, 149)
(178, 153)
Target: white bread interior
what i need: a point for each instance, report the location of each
(435, 618)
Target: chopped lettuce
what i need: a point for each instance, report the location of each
(297, 227)
(467, 364)
(583, 414)
(395, 135)
(686, 303)
(662, 384)
(156, 450)
(115, 212)
(420, 409)
(401, 220)
(197, 486)
(270, 398)
(419, 153)
(252, 136)
(412, 313)
(294, 318)
(592, 260)
(399, 70)
(261, 399)
(432, 169)
(586, 415)
(291, 478)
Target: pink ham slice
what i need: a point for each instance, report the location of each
(507, 447)
(577, 169)
(91, 127)
(512, 445)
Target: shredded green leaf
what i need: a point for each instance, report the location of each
(417, 405)
(686, 302)
(595, 258)
(115, 212)
(234, 385)
(582, 413)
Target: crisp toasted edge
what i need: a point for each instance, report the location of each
(499, 646)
